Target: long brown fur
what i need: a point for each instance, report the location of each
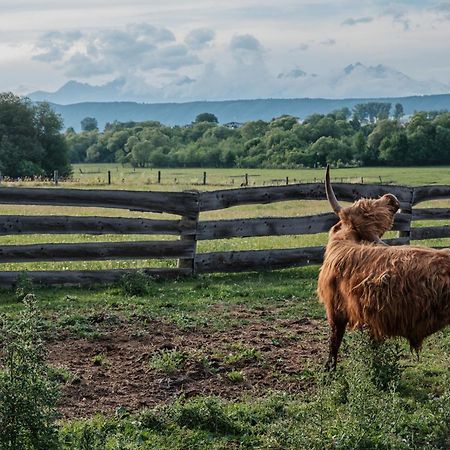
(393, 291)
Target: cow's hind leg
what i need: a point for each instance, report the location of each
(338, 326)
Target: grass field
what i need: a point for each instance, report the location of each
(227, 361)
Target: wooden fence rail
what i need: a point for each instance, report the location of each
(188, 226)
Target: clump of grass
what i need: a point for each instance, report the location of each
(137, 283)
(100, 360)
(235, 376)
(23, 286)
(60, 374)
(241, 353)
(167, 361)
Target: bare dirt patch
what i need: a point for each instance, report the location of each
(114, 370)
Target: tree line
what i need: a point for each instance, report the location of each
(32, 144)
(369, 135)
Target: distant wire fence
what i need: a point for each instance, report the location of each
(189, 229)
(96, 176)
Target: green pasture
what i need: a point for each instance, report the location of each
(180, 179)
(346, 411)
(177, 179)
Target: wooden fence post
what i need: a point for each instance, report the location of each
(159, 177)
(109, 177)
(204, 178)
(55, 177)
(407, 210)
(287, 181)
(246, 179)
(192, 238)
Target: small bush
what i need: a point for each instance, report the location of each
(136, 283)
(27, 396)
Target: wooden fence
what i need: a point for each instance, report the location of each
(187, 206)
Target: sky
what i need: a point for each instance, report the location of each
(207, 49)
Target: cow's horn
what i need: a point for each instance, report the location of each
(330, 194)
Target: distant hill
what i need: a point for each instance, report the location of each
(232, 110)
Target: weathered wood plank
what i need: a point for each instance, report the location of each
(430, 232)
(182, 203)
(423, 193)
(92, 225)
(250, 260)
(312, 191)
(430, 213)
(98, 251)
(397, 241)
(84, 277)
(278, 226)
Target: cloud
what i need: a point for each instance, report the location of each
(137, 47)
(199, 38)
(442, 10)
(245, 42)
(352, 22)
(399, 17)
(52, 46)
(172, 57)
(328, 42)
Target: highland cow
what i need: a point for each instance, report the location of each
(363, 283)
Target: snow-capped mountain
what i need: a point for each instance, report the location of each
(358, 80)
(353, 81)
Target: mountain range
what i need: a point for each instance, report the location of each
(353, 81)
(294, 92)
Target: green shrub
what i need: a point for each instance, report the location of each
(27, 396)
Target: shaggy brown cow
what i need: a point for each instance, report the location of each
(392, 291)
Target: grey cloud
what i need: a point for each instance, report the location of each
(245, 42)
(199, 37)
(303, 47)
(398, 16)
(150, 33)
(351, 21)
(80, 65)
(442, 10)
(328, 42)
(136, 47)
(53, 45)
(172, 57)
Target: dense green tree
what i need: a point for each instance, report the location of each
(398, 111)
(206, 117)
(253, 129)
(89, 124)
(30, 140)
